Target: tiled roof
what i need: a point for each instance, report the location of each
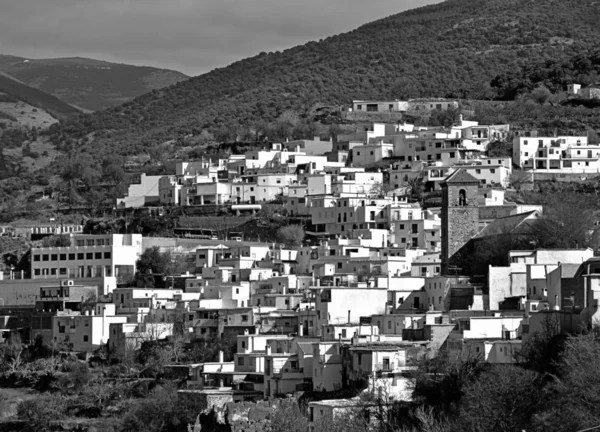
(507, 225)
(461, 176)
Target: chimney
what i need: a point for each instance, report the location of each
(256, 330)
(300, 329)
(349, 317)
(268, 350)
(246, 332)
(221, 357)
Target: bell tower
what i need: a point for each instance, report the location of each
(460, 216)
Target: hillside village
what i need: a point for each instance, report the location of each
(368, 281)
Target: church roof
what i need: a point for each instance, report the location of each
(518, 223)
(461, 176)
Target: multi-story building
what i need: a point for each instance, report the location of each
(86, 331)
(89, 256)
(561, 154)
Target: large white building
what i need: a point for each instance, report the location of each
(89, 256)
(564, 154)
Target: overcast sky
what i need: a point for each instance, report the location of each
(192, 36)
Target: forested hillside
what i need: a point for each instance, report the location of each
(18, 91)
(451, 49)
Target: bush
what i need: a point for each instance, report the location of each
(41, 412)
(291, 235)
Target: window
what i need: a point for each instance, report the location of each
(477, 171)
(98, 255)
(452, 154)
(244, 318)
(440, 300)
(493, 171)
(100, 242)
(80, 243)
(90, 242)
(415, 228)
(36, 257)
(240, 361)
(107, 255)
(63, 257)
(89, 255)
(85, 338)
(71, 257)
(80, 256)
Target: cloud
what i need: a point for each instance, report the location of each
(193, 36)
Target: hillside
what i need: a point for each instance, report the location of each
(453, 49)
(87, 83)
(14, 91)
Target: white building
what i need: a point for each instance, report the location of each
(564, 154)
(85, 332)
(89, 256)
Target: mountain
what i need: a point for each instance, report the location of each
(14, 95)
(454, 48)
(87, 83)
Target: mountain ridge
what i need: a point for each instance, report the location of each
(88, 83)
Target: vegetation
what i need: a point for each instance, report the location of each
(54, 106)
(453, 49)
(291, 235)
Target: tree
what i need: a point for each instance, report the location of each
(288, 417)
(542, 350)
(291, 235)
(541, 95)
(518, 178)
(439, 382)
(380, 189)
(287, 123)
(503, 399)
(567, 222)
(153, 261)
(575, 394)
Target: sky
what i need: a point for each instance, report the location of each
(191, 36)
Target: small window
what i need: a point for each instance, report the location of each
(240, 361)
(85, 338)
(107, 255)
